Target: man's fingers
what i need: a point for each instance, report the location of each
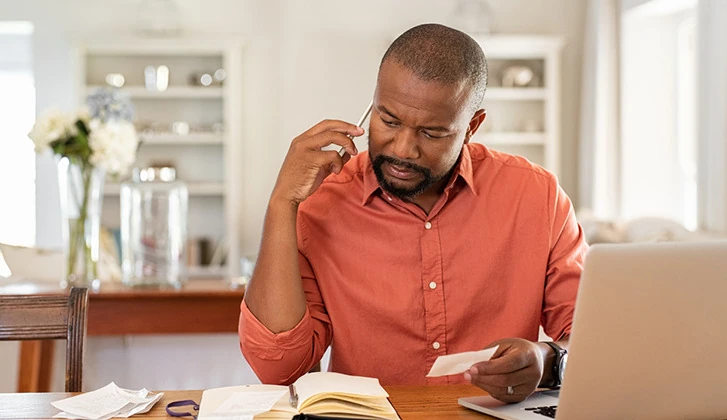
(330, 138)
(334, 125)
(330, 160)
(519, 392)
(505, 363)
(520, 377)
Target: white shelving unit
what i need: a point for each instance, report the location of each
(524, 120)
(190, 139)
(193, 188)
(175, 92)
(207, 158)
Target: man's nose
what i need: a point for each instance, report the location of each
(405, 145)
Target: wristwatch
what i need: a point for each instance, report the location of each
(559, 363)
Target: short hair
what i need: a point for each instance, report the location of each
(439, 53)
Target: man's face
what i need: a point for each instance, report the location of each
(417, 131)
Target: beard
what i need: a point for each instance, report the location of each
(428, 179)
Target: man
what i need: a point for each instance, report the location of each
(426, 245)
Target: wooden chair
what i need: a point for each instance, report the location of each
(48, 318)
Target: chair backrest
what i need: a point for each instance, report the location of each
(49, 318)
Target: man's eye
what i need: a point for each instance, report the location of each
(390, 123)
(432, 136)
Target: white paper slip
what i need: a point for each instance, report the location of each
(243, 404)
(107, 402)
(453, 364)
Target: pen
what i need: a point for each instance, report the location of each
(360, 121)
(293, 396)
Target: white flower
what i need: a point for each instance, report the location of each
(84, 115)
(113, 145)
(53, 125)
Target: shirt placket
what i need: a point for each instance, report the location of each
(434, 315)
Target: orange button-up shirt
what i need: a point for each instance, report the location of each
(391, 288)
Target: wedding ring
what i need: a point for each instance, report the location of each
(510, 390)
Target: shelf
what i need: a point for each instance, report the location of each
(515, 94)
(192, 92)
(510, 138)
(194, 188)
(179, 139)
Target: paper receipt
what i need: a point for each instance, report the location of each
(453, 364)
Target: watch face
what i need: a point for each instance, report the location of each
(562, 366)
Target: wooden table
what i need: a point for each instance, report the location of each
(411, 402)
(201, 306)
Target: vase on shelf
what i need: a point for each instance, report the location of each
(81, 189)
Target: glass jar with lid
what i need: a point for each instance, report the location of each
(153, 228)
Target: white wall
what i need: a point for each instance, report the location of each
(712, 125)
(305, 61)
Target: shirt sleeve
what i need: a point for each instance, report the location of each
(284, 357)
(565, 263)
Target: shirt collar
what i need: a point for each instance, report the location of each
(463, 170)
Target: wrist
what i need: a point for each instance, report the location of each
(548, 361)
(554, 369)
(282, 203)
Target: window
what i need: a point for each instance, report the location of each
(658, 111)
(17, 156)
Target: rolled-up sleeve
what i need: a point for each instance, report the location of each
(567, 252)
(283, 357)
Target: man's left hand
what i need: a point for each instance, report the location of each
(513, 372)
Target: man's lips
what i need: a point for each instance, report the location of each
(400, 172)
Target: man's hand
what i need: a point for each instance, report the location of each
(306, 165)
(517, 363)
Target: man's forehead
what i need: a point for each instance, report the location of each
(398, 80)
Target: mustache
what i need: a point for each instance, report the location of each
(380, 159)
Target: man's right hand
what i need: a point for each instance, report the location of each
(306, 165)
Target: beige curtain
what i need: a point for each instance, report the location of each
(599, 136)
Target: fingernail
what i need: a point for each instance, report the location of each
(467, 377)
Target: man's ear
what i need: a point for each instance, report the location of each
(477, 119)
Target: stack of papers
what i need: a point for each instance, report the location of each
(105, 403)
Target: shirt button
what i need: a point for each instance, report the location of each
(432, 285)
(436, 345)
(428, 225)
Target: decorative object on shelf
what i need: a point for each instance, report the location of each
(519, 76)
(150, 78)
(180, 128)
(247, 267)
(215, 78)
(154, 208)
(116, 80)
(94, 142)
(473, 16)
(156, 79)
(162, 78)
(220, 75)
(159, 18)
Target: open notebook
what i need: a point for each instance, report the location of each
(319, 393)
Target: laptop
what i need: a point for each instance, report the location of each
(648, 341)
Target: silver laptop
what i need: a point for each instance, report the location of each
(649, 339)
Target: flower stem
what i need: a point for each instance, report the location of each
(78, 227)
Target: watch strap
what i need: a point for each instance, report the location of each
(559, 353)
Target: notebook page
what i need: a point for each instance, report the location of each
(213, 399)
(337, 383)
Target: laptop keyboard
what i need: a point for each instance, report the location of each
(546, 410)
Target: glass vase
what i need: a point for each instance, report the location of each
(81, 192)
(154, 207)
